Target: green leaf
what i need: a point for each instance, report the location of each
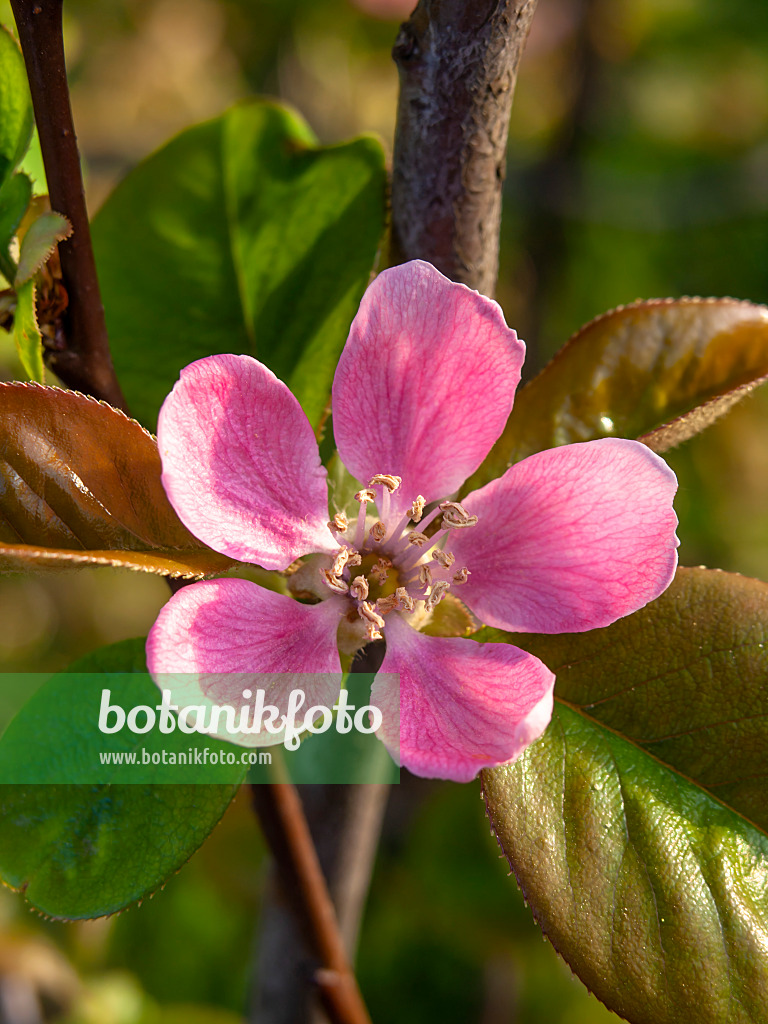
(240, 235)
(632, 371)
(15, 195)
(637, 826)
(26, 335)
(16, 105)
(80, 485)
(39, 242)
(87, 850)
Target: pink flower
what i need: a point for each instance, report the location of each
(568, 540)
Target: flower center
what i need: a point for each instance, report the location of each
(387, 564)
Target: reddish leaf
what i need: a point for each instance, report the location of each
(80, 485)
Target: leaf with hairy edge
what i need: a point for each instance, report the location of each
(15, 103)
(633, 370)
(39, 242)
(638, 825)
(81, 851)
(80, 484)
(240, 235)
(28, 340)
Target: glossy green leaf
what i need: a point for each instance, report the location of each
(39, 242)
(632, 371)
(16, 106)
(87, 850)
(637, 826)
(26, 335)
(80, 484)
(240, 235)
(15, 195)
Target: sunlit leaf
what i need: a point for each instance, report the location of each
(633, 370)
(26, 335)
(39, 243)
(87, 850)
(637, 826)
(15, 104)
(80, 484)
(240, 235)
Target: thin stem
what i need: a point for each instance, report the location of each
(86, 363)
(458, 67)
(287, 833)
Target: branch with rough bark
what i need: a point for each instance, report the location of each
(85, 363)
(458, 64)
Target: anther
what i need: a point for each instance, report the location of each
(455, 516)
(359, 588)
(386, 480)
(380, 570)
(355, 558)
(425, 576)
(377, 533)
(404, 599)
(368, 613)
(436, 595)
(337, 585)
(365, 496)
(461, 575)
(386, 604)
(339, 523)
(419, 539)
(417, 508)
(444, 558)
(341, 560)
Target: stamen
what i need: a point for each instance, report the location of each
(371, 617)
(455, 516)
(419, 539)
(386, 604)
(436, 595)
(386, 480)
(417, 508)
(338, 586)
(379, 571)
(372, 633)
(444, 558)
(339, 523)
(461, 575)
(364, 497)
(405, 601)
(377, 533)
(425, 576)
(359, 588)
(354, 559)
(340, 561)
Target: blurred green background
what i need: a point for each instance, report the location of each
(638, 167)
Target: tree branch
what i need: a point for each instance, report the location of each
(86, 363)
(303, 884)
(458, 65)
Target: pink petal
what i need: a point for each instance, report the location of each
(241, 465)
(213, 640)
(425, 383)
(463, 706)
(570, 539)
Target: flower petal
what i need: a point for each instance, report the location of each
(463, 705)
(571, 538)
(213, 640)
(425, 383)
(240, 463)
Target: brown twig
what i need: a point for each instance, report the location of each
(287, 833)
(458, 66)
(85, 363)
